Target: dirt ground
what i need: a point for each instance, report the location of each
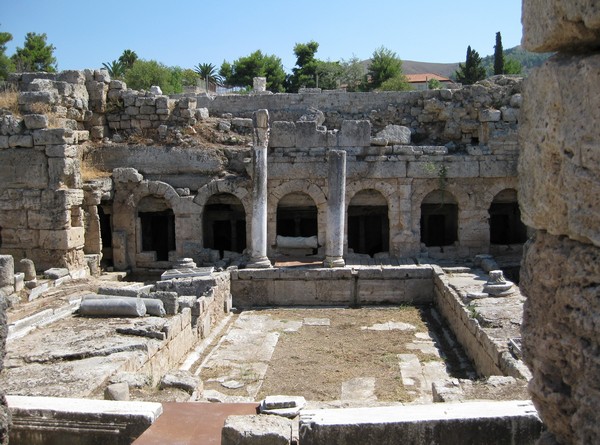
(315, 360)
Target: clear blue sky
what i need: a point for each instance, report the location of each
(187, 32)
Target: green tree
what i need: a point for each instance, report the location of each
(36, 54)
(6, 64)
(115, 68)
(304, 74)
(434, 84)
(353, 75)
(498, 55)
(385, 65)
(472, 70)
(397, 83)
(512, 66)
(241, 72)
(208, 73)
(328, 75)
(146, 73)
(189, 78)
(128, 58)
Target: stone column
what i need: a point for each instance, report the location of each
(336, 206)
(258, 243)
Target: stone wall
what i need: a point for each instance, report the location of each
(4, 413)
(559, 173)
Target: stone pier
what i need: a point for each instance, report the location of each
(336, 208)
(258, 246)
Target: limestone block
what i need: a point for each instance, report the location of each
(308, 136)
(257, 429)
(102, 75)
(395, 135)
(283, 134)
(355, 134)
(54, 136)
(202, 114)
(557, 277)
(35, 121)
(7, 270)
(127, 175)
(71, 76)
(495, 168)
(25, 141)
(559, 163)
(181, 379)
(117, 391)
(64, 172)
(15, 219)
(4, 141)
(15, 173)
(187, 103)
(61, 151)
(489, 115)
(62, 239)
(117, 85)
(558, 25)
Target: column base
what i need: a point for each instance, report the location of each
(259, 263)
(334, 261)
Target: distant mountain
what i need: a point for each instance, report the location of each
(527, 59)
(442, 69)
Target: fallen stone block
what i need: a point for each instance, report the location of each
(258, 430)
(184, 380)
(285, 406)
(117, 391)
(113, 307)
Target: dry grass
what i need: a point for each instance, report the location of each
(315, 361)
(90, 168)
(9, 100)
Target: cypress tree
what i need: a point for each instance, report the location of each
(498, 55)
(472, 70)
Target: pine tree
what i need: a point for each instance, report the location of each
(498, 55)
(36, 54)
(472, 70)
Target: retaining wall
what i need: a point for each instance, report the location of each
(326, 287)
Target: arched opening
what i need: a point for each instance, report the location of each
(224, 223)
(157, 226)
(368, 223)
(297, 215)
(105, 219)
(505, 219)
(439, 219)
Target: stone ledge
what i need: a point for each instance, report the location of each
(491, 423)
(68, 420)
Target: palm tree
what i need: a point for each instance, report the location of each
(208, 72)
(116, 69)
(128, 58)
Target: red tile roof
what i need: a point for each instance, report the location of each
(426, 77)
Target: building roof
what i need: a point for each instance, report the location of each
(425, 77)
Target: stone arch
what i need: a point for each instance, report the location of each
(224, 223)
(439, 219)
(296, 186)
(505, 219)
(240, 188)
(155, 228)
(368, 224)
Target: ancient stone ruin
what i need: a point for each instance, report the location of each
(304, 200)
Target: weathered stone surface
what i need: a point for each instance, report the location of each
(28, 268)
(473, 422)
(559, 164)
(117, 391)
(7, 271)
(355, 134)
(558, 25)
(395, 134)
(35, 121)
(184, 380)
(127, 175)
(560, 334)
(283, 134)
(256, 430)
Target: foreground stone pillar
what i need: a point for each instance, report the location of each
(258, 242)
(559, 186)
(336, 206)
